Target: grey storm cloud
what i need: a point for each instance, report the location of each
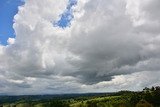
(110, 45)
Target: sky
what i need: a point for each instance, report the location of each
(8, 8)
(69, 46)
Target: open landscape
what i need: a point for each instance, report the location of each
(79, 53)
(148, 97)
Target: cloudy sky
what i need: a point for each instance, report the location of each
(70, 46)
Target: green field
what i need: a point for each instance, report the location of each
(149, 97)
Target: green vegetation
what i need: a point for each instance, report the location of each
(149, 97)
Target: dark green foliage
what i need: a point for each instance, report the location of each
(57, 104)
(153, 96)
(135, 98)
(91, 104)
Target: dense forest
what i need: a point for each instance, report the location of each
(148, 97)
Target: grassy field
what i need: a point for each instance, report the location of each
(146, 98)
(111, 101)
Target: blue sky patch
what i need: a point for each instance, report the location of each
(67, 16)
(8, 8)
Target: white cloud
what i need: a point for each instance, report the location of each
(11, 41)
(111, 45)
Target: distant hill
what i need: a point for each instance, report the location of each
(148, 97)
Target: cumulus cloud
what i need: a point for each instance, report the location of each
(110, 45)
(11, 41)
